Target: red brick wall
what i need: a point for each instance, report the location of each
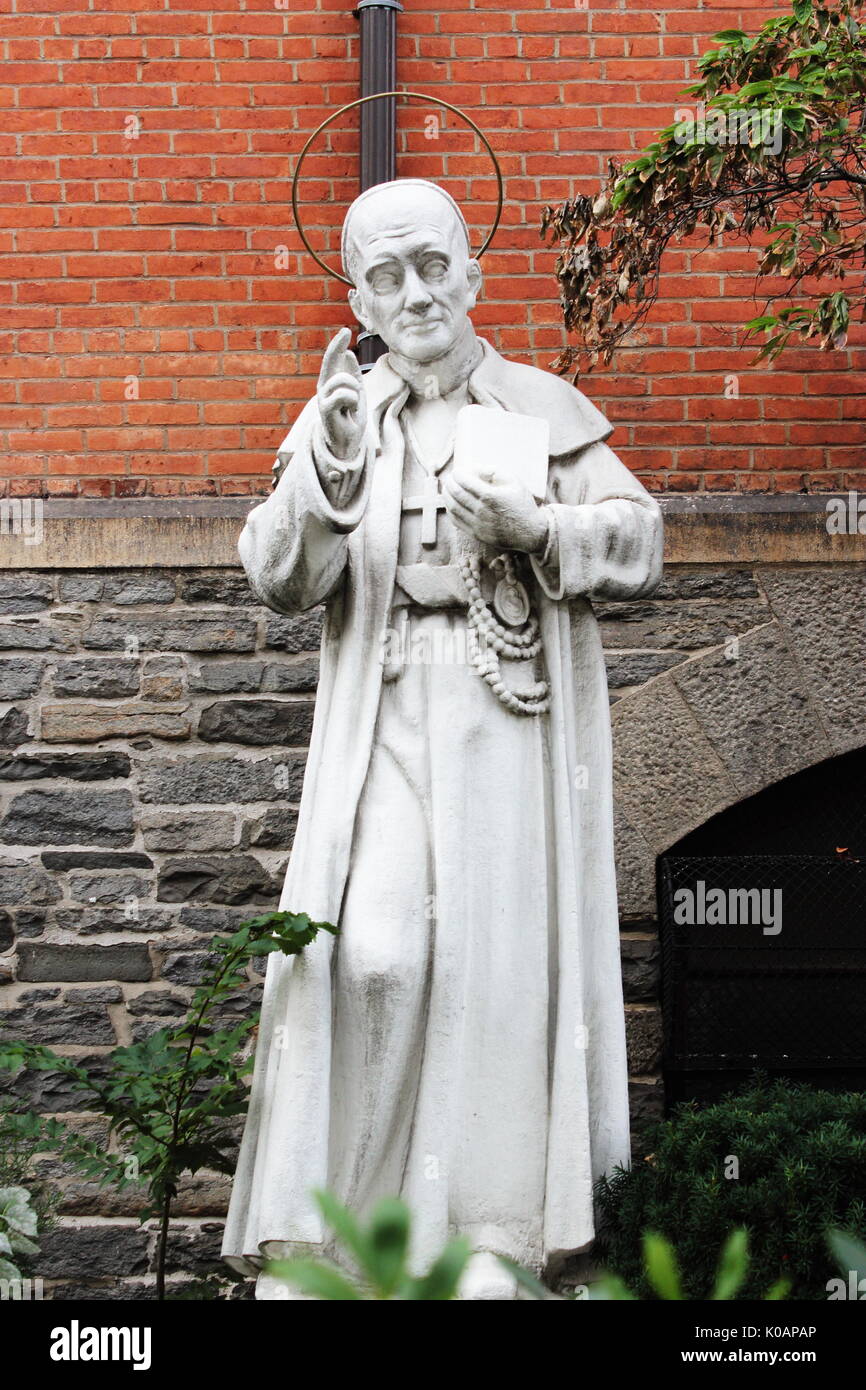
(151, 342)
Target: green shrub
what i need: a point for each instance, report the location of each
(785, 1163)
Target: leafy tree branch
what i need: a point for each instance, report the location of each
(776, 150)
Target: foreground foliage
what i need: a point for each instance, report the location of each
(374, 1264)
(379, 1255)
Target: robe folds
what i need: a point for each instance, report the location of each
(299, 550)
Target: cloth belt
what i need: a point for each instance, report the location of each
(430, 586)
(434, 588)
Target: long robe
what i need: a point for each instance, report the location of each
(299, 550)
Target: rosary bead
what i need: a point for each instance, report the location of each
(497, 640)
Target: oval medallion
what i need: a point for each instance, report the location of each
(511, 603)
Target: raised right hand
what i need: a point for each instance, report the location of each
(342, 398)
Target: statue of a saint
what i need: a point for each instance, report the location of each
(461, 1043)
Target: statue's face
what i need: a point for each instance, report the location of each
(415, 281)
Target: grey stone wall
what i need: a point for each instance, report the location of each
(695, 610)
(760, 673)
(152, 744)
(153, 724)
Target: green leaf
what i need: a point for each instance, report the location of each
(22, 1246)
(733, 1266)
(802, 10)
(345, 1227)
(442, 1278)
(779, 1291)
(388, 1237)
(754, 89)
(661, 1267)
(611, 1289)
(715, 164)
(16, 1212)
(319, 1280)
(728, 36)
(263, 948)
(849, 1254)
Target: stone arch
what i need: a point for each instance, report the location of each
(722, 725)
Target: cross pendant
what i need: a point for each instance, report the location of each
(430, 503)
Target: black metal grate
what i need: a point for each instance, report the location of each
(736, 999)
(741, 998)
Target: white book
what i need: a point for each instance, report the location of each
(514, 446)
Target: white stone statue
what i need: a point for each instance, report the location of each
(461, 1043)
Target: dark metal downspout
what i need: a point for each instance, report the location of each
(378, 152)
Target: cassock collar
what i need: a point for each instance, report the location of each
(384, 384)
(497, 381)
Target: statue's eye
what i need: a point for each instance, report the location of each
(435, 268)
(385, 280)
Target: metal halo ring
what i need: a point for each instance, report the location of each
(377, 96)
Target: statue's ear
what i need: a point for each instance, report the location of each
(475, 280)
(356, 304)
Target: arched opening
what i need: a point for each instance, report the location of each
(762, 919)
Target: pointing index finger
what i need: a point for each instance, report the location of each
(335, 349)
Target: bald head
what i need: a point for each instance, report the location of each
(414, 281)
(402, 201)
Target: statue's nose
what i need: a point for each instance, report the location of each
(417, 294)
